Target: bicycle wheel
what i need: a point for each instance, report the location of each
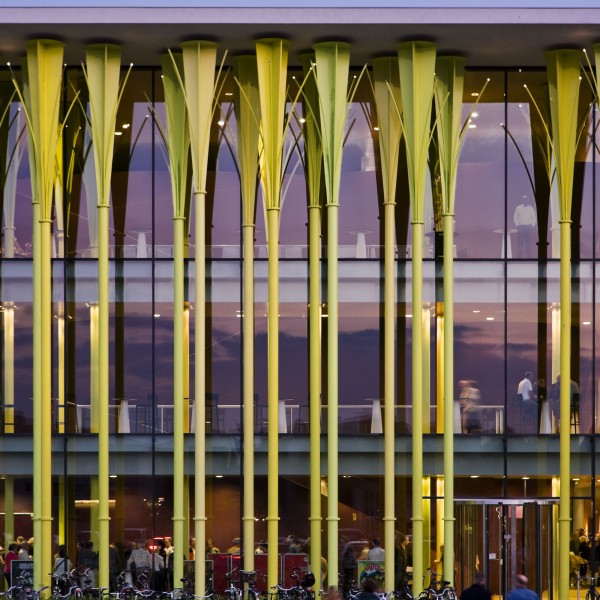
(592, 594)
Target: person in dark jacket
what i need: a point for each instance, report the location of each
(367, 591)
(477, 591)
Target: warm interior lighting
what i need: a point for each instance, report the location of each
(221, 123)
(90, 503)
(125, 125)
(476, 312)
(489, 318)
(219, 476)
(156, 315)
(587, 323)
(474, 94)
(118, 133)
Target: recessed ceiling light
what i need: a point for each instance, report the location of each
(229, 93)
(376, 128)
(409, 316)
(586, 323)
(125, 125)
(221, 123)
(118, 133)
(474, 476)
(472, 126)
(156, 315)
(474, 94)
(475, 115)
(476, 312)
(489, 318)
(525, 477)
(219, 476)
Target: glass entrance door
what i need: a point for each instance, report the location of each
(502, 539)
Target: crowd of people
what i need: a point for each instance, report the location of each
(153, 556)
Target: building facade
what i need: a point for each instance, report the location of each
(282, 285)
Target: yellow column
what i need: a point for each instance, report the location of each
(314, 227)
(273, 398)
(426, 520)
(9, 510)
(248, 325)
(426, 325)
(9, 368)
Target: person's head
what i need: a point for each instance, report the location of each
(369, 585)
(168, 542)
(521, 581)
(89, 545)
(62, 551)
(529, 375)
(479, 579)
(13, 547)
(376, 542)
(524, 199)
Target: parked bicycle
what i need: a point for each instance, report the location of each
(23, 589)
(438, 589)
(232, 591)
(250, 578)
(592, 593)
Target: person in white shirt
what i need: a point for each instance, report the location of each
(376, 552)
(525, 393)
(525, 221)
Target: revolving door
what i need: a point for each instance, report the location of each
(502, 539)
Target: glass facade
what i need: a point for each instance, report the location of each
(507, 304)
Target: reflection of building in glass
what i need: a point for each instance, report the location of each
(228, 395)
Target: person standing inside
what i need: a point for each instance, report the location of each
(376, 552)
(62, 563)
(521, 591)
(11, 555)
(472, 410)
(525, 221)
(401, 560)
(477, 591)
(555, 402)
(349, 565)
(525, 394)
(88, 559)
